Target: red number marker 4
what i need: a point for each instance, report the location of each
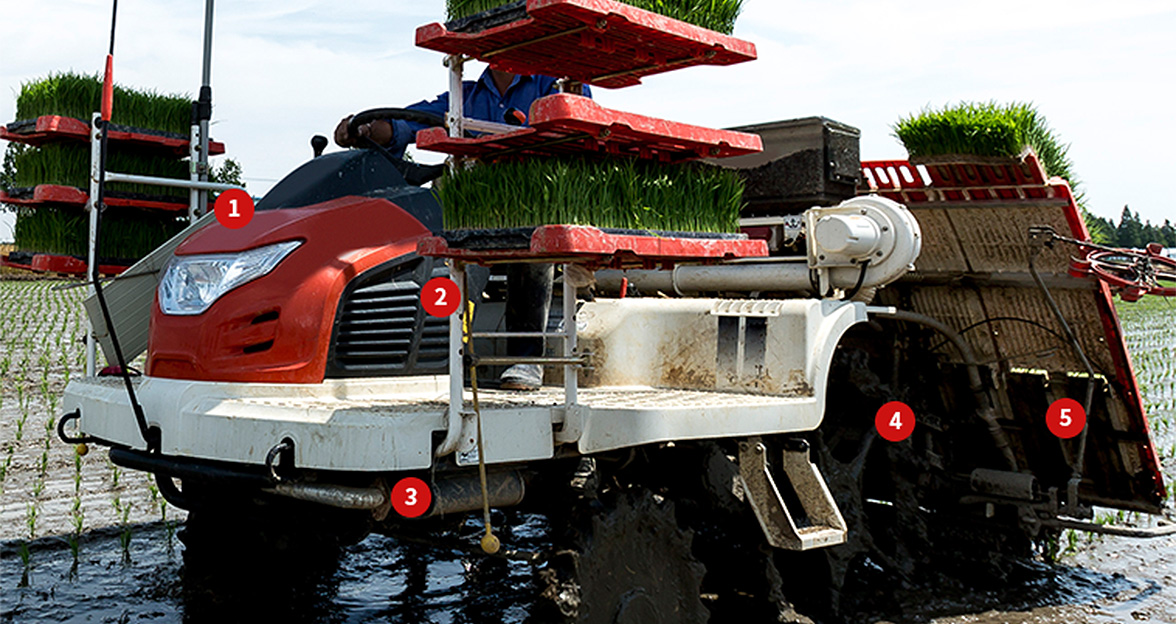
(440, 297)
(895, 421)
(1065, 418)
(411, 497)
(234, 209)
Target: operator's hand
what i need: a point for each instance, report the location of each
(379, 131)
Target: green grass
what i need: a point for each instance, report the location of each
(717, 15)
(126, 234)
(614, 194)
(69, 164)
(985, 129)
(80, 96)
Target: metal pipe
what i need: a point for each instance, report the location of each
(1080, 459)
(173, 182)
(768, 276)
(986, 412)
(572, 361)
(1165, 529)
(462, 494)
(340, 496)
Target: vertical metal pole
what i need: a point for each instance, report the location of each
(92, 248)
(205, 88)
(194, 195)
(571, 380)
(456, 352)
(456, 118)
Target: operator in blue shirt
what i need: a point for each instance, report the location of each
(499, 97)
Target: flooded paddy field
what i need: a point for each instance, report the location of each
(82, 540)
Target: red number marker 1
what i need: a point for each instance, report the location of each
(411, 497)
(440, 297)
(895, 421)
(234, 209)
(1066, 418)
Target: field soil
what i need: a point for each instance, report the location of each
(82, 540)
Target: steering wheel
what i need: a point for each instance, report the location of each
(413, 173)
(406, 114)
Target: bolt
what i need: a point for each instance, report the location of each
(864, 211)
(822, 258)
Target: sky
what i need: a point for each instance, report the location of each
(1102, 73)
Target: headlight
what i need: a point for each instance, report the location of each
(191, 284)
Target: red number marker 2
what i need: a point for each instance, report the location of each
(440, 297)
(895, 421)
(411, 497)
(1066, 418)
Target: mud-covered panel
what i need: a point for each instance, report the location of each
(995, 239)
(958, 306)
(941, 249)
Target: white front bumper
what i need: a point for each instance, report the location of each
(382, 424)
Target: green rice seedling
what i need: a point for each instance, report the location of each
(80, 96)
(985, 129)
(68, 164)
(717, 15)
(611, 194)
(126, 235)
(31, 519)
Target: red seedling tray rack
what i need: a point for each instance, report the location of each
(66, 265)
(55, 194)
(960, 178)
(598, 249)
(54, 128)
(597, 42)
(562, 124)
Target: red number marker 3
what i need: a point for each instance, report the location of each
(440, 297)
(234, 209)
(1065, 418)
(411, 497)
(895, 421)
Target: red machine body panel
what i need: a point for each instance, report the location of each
(277, 328)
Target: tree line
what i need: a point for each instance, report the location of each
(1131, 231)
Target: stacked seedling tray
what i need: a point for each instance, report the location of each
(578, 163)
(50, 171)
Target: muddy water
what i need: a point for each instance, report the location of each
(155, 579)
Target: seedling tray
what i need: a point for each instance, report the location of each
(570, 124)
(52, 263)
(55, 194)
(54, 128)
(598, 42)
(591, 246)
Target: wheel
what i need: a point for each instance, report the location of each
(630, 563)
(1135, 274)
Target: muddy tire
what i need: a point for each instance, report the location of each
(631, 563)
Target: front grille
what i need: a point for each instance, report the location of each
(380, 327)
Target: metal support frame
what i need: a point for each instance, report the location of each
(458, 352)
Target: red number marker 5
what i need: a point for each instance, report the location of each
(440, 297)
(1065, 418)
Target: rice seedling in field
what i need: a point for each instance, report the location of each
(612, 194)
(717, 15)
(77, 95)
